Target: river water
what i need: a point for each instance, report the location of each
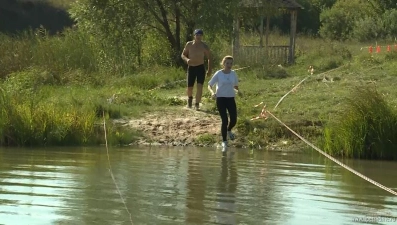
(189, 186)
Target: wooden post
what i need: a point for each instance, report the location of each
(236, 37)
(291, 57)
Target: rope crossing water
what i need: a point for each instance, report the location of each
(335, 160)
(264, 115)
(111, 172)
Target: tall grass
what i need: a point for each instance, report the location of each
(39, 109)
(58, 54)
(367, 128)
(55, 90)
(29, 122)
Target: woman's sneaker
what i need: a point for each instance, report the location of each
(231, 135)
(224, 146)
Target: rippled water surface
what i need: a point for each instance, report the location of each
(190, 186)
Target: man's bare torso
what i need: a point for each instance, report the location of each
(196, 52)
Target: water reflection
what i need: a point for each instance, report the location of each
(361, 196)
(187, 186)
(226, 191)
(196, 192)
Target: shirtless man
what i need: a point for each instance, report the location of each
(193, 54)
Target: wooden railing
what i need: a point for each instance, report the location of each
(256, 55)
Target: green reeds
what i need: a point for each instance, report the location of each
(27, 121)
(62, 53)
(39, 108)
(366, 128)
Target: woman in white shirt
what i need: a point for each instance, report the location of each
(226, 81)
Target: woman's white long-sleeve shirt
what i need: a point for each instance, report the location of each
(225, 83)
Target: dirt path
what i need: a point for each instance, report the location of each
(176, 127)
(179, 126)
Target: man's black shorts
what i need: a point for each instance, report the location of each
(195, 72)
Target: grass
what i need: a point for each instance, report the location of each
(313, 108)
(366, 129)
(48, 114)
(56, 100)
(206, 140)
(56, 54)
(55, 89)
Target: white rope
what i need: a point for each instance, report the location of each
(335, 160)
(264, 115)
(296, 86)
(110, 169)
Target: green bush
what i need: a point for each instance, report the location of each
(339, 20)
(367, 29)
(154, 51)
(373, 28)
(389, 20)
(367, 128)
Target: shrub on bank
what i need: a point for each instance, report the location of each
(366, 128)
(31, 122)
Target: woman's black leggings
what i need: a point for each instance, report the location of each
(227, 105)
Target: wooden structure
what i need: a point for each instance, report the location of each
(260, 53)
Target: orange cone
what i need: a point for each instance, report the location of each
(388, 48)
(370, 49)
(378, 49)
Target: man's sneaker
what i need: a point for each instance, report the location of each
(224, 146)
(231, 135)
(197, 106)
(190, 102)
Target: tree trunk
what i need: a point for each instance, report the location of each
(189, 20)
(158, 9)
(189, 30)
(177, 45)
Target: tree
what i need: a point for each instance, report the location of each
(115, 27)
(389, 20)
(122, 20)
(383, 5)
(173, 17)
(309, 18)
(338, 22)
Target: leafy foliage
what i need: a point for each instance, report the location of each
(120, 27)
(365, 129)
(338, 22)
(115, 28)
